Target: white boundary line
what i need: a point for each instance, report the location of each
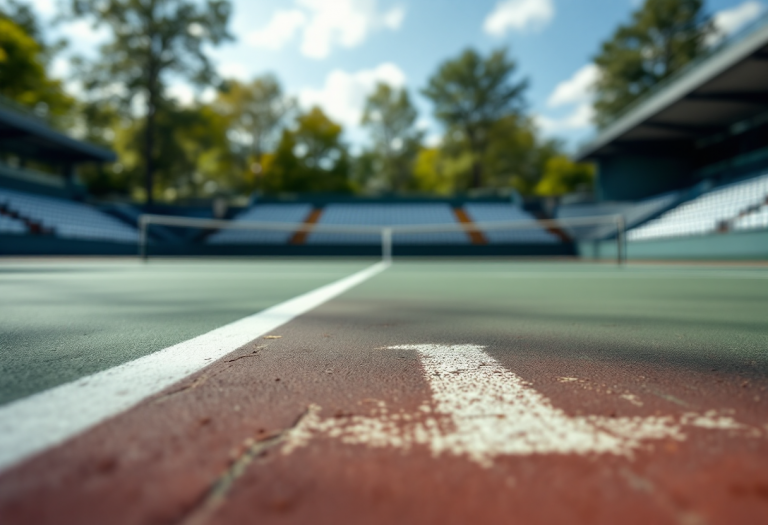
(31, 425)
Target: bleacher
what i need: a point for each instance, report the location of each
(722, 209)
(277, 213)
(66, 219)
(10, 225)
(758, 219)
(501, 212)
(634, 213)
(388, 215)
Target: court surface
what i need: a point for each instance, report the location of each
(422, 392)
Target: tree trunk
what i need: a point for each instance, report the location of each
(149, 147)
(477, 174)
(476, 146)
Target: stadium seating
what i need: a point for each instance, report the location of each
(758, 219)
(279, 213)
(388, 215)
(67, 219)
(500, 212)
(721, 208)
(633, 212)
(11, 225)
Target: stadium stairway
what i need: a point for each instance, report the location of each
(476, 237)
(31, 226)
(558, 232)
(300, 237)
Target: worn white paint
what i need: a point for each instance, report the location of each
(33, 424)
(481, 410)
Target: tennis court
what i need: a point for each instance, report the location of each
(425, 391)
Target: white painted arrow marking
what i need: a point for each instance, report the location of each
(482, 410)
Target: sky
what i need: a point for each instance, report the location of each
(332, 53)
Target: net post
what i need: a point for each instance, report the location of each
(143, 239)
(621, 243)
(386, 245)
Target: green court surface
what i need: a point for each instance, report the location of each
(693, 316)
(64, 320)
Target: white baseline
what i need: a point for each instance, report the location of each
(31, 425)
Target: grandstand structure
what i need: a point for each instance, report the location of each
(42, 209)
(688, 163)
(338, 225)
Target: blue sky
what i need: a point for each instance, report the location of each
(332, 52)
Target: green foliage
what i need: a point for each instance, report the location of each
(437, 173)
(196, 161)
(514, 157)
(23, 16)
(662, 37)
(562, 175)
(256, 111)
(23, 60)
(101, 122)
(471, 93)
(150, 41)
(310, 158)
(390, 118)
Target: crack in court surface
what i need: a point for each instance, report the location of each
(481, 410)
(251, 451)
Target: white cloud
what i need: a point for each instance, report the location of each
(519, 15)
(343, 95)
(575, 90)
(577, 94)
(234, 70)
(183, 93)
(186, 95)
(325, 24)
(44, 7)
(433, 140)
(82, 33)
(280, 30)
(729, 21)
(579, 119)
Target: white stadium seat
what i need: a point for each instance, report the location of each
(68, 219)
(500, 212)
(279, 213)
(388, 215)
(11, 225)
(737, 205)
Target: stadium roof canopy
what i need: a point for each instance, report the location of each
(711, 95)
(31, 137)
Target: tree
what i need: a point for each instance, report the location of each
(151, 40)
(390, 118)
(310, 158)
(514, 157)
(662, 37)
(23, 61)
(255, 112)
(23, 16)
(196, 161)
(435, 173)
(562, 175)
(471, 93)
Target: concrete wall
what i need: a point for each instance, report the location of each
(752, 245)
(634, 177)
